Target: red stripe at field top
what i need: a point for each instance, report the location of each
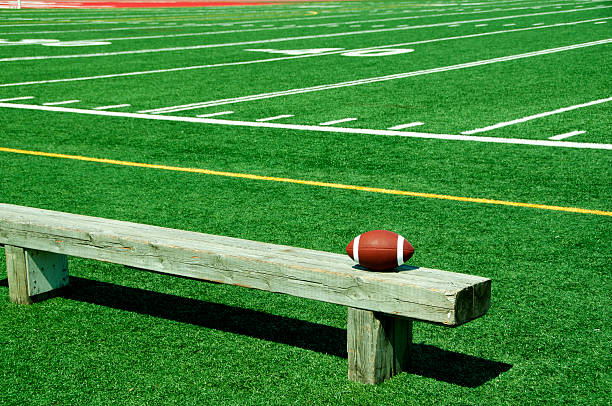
(148, 4)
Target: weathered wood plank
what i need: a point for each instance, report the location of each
(17, 275)
(419, 293)
(378, 345)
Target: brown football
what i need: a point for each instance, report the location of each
(380, 250)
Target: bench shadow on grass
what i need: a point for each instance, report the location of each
(428, 361)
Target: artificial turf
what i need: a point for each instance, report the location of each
(121, 336)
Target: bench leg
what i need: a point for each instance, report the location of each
(378, 345)
(33, 272)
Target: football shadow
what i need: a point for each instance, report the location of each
(402, 268)
(428, 361)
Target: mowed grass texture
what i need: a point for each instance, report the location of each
(129, 337)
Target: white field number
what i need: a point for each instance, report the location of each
(315, 51)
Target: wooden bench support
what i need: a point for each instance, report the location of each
(33, 272)
(382, 305)
(378, 345)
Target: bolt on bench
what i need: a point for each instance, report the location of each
(381, 305)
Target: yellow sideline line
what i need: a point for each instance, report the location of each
(307, 182)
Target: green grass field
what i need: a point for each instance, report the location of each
(450, 103)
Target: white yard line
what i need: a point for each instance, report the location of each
(402, 126)
(272, 118)
(220, 113)
(114, 75)
(342, 120)
(57, 103)
(260, 96)
(566, 135)
(17, 98)
(316, 128)
(114, 106)
(275, 40)
(540, 115)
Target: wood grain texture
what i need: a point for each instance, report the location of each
(378, 345)
(419, 293)
(17, 275)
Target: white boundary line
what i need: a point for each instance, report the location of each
(408, 125)
(532, 117)
(198, 105)
(57, 103)
(219, 113)
(138, 73)
(17, 98)
(114, 106)
(342, 120)
(275, 40)
(315, 128)
(273, 118)
(566, 135)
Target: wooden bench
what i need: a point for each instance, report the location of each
(381, 305)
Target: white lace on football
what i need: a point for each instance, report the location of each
(356, 249)
(400, 250)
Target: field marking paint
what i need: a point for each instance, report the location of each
(273, 118)
(17, 98)
(274, 28)
(58, 103)
(343, 120)
(307, 182)
(114, 106)
(167, 14)
(99, 22)
(402, 126)
(566, 135)
(185, 68)
(600, 22)
(274, 40)
(220, 113)
(260, 96)
(548, 113)
(315, 128)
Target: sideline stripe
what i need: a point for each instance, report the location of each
(114, 106)
(273, 118)
(342, 120)
(318, 128)
(566, 135)
(408, 125)
(199, 105)
(307, 182)
(17, 98)
(58, 103)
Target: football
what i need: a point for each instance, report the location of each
(380, 250)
